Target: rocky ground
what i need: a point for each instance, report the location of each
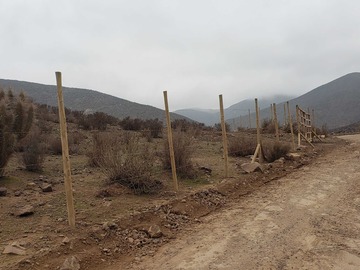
(119, 230)
(309, 219)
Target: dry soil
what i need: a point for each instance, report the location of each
(307, 220)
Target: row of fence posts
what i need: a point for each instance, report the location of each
(258, 151)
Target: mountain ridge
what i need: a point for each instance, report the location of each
(335, 103)
(81, 99)
(211, 117)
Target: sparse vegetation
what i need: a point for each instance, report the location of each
(242, 146)
(15, 123)
(218, 127)
(275, 150)
(268, 126)
(183, 152)
(33, 151)
(7, 138)
(97, 120)
(125, 161)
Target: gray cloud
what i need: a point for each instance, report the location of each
(194, 49)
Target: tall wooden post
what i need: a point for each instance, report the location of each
(298, 125)
(65, 153)
(313, 120)
(249, 120)
(258, 135)
(170, 140)
(291, 125)
(271, 113)
(276, 123)
(223, 128)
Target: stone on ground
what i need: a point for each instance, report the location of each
(46, 188)
(71, 263)
(3, 191)
(252, 167)
(10, 249)
(24, 211)
(154, 231)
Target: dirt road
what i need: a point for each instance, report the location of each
(307, 220)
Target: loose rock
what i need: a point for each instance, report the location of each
(252, 167)
(66, 240)
(27, 210)
(71, 264)
(3, 191)
(293, 156)
(10, 249)
(206, 169)
(154, 231)
(46, 188)
(109, 225)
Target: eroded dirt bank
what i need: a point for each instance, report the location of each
(307, 220)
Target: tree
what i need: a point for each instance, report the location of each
(19, 120)
(7, 139)
(15, 123)
(2, 94)
(29, 119)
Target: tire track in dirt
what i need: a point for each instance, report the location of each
(306, 220)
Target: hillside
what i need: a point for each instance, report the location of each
(335, 104)
(82, 99)
(211, 117)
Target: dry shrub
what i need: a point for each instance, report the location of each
(287, 128)
(54, 145)
(33, 151)
(101, 144)
(183, 152)
(126, 161)
(242, 146)
(75, 139)
(274, 151)
(268, 126)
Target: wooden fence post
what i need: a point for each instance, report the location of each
(258, 151)
(65, 153)
(170, 140)
(276, 123)
(298, 125)
(291, 125)
(223, 128)
(313, 120)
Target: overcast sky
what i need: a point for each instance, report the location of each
(194, 49)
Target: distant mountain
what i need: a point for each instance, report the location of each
(335, 104)
(211, 117)
(208, 117)
(84, 99)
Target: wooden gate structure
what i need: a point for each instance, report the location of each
(305, 129)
